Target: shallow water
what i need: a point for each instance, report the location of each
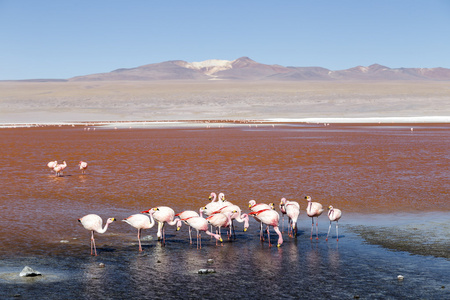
(364, 170)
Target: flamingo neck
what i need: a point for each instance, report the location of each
(103, 230)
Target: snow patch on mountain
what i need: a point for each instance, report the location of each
(210, 66)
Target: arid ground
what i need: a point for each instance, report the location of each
(43, 102)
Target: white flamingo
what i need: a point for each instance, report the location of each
(292, 211)
(187, 214)
(200, 224)
(83, 166)
(93, 223)
(140, 221)
(314, 209)
(334, 214)
(162, 215)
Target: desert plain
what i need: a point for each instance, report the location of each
(86, 101)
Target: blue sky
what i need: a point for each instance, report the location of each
(62, 39)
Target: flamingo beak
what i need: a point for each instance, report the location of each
(279, 245)
(220, 240)
(245, 229)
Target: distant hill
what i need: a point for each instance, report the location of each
(245, 68)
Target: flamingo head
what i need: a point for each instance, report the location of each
(150, 211)
(222, 196)
(179, 224)
(251, 203)
(330, 207)
(308, 198)
(272, 205)
(110, 220)
(283, 201)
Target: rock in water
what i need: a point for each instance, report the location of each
(29, 272)
(206, 271)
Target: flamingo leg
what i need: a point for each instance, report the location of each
(282, 223)
(261, 233)
(329, 227)
(337, 233)
(139, 239)
(190, 235)
(163, 235)
(268, 235)
(317, 228)
(312, 226)
(93, 244)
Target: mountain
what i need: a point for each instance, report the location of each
(245, 68)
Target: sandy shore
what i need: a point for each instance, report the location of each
(50, 102)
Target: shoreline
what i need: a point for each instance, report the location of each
(236, 122)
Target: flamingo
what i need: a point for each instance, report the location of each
(187, 214)
(334, 214)
(140, 221)
(254, 207)
(220, 220)
(200, 224)
(162, 215)
(236, 215)
(83, 167)
(52, 164)
(59, 168)
(283, 212)
(93, 223)
(270, 218)
(314, 209)
(292, 211)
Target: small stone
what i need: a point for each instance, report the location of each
(356, 297)
(206, 271)
(210, 261)
(29, 272)
(158, 261)
(400, 277)
(101, 265)
(63, 241)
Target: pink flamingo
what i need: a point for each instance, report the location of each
(314, 209)
(187, 214)
(292, 211)
(236, 215)
(162, 215)
(140, 221)
(93, 223)
(83, 167)
(59, 168)
(254, 207)
(200, 224)
(334, 214)
(220, 220)
(270, 218)
(283, 212)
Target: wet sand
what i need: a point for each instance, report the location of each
(390, 182)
